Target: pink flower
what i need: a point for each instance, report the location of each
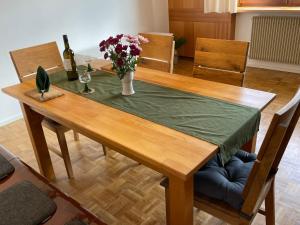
(119, 36)
(132, 39)
(114, 41)
(135, 52)
(119, 48)
(143, 39)
(135, 47)
(102, 43)
(129, 36)
(102, 49)
(108, 41)
(132, 46)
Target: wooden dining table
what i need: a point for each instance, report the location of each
(176, 155)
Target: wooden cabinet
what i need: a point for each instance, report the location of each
(269, 3)
(187, 19)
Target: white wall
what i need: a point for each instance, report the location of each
(243, 32)
(25, 23)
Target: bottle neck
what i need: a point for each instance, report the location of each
(66, 42)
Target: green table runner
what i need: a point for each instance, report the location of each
(227, 125)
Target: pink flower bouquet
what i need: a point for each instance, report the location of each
(123, 51)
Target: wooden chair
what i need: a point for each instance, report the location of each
(259, 186)
(158, 54)
(221, 60)
(26, 62)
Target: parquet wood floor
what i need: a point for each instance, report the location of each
(120, 191)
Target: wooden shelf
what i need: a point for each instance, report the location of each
(268, 9)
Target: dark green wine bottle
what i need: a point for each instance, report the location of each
(69, 61)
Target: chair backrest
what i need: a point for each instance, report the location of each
(27, 60)
(221, 60)
(158, 54)
(270, 154)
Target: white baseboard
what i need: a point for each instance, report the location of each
(10, 119)
(274, 66)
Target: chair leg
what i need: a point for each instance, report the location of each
(76, 136)
(104, 149)
(270, 206)
(65, 152)
(167, 204)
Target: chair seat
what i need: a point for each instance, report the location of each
(23, 203)
(225, 183)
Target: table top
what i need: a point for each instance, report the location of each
(162, 149)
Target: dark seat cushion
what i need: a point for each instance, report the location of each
(5, 168)
(225, 183)
(24, 203)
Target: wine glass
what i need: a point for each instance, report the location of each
(85, 78)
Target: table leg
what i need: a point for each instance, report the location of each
(251, 145)
(33, 122)
(179, 201)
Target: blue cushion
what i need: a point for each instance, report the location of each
(225, 183)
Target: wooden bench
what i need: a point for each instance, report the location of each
(67, 208)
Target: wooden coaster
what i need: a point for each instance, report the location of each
(53, 93)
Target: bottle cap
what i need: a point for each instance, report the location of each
(65, 37)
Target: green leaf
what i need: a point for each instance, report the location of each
(42, 80)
